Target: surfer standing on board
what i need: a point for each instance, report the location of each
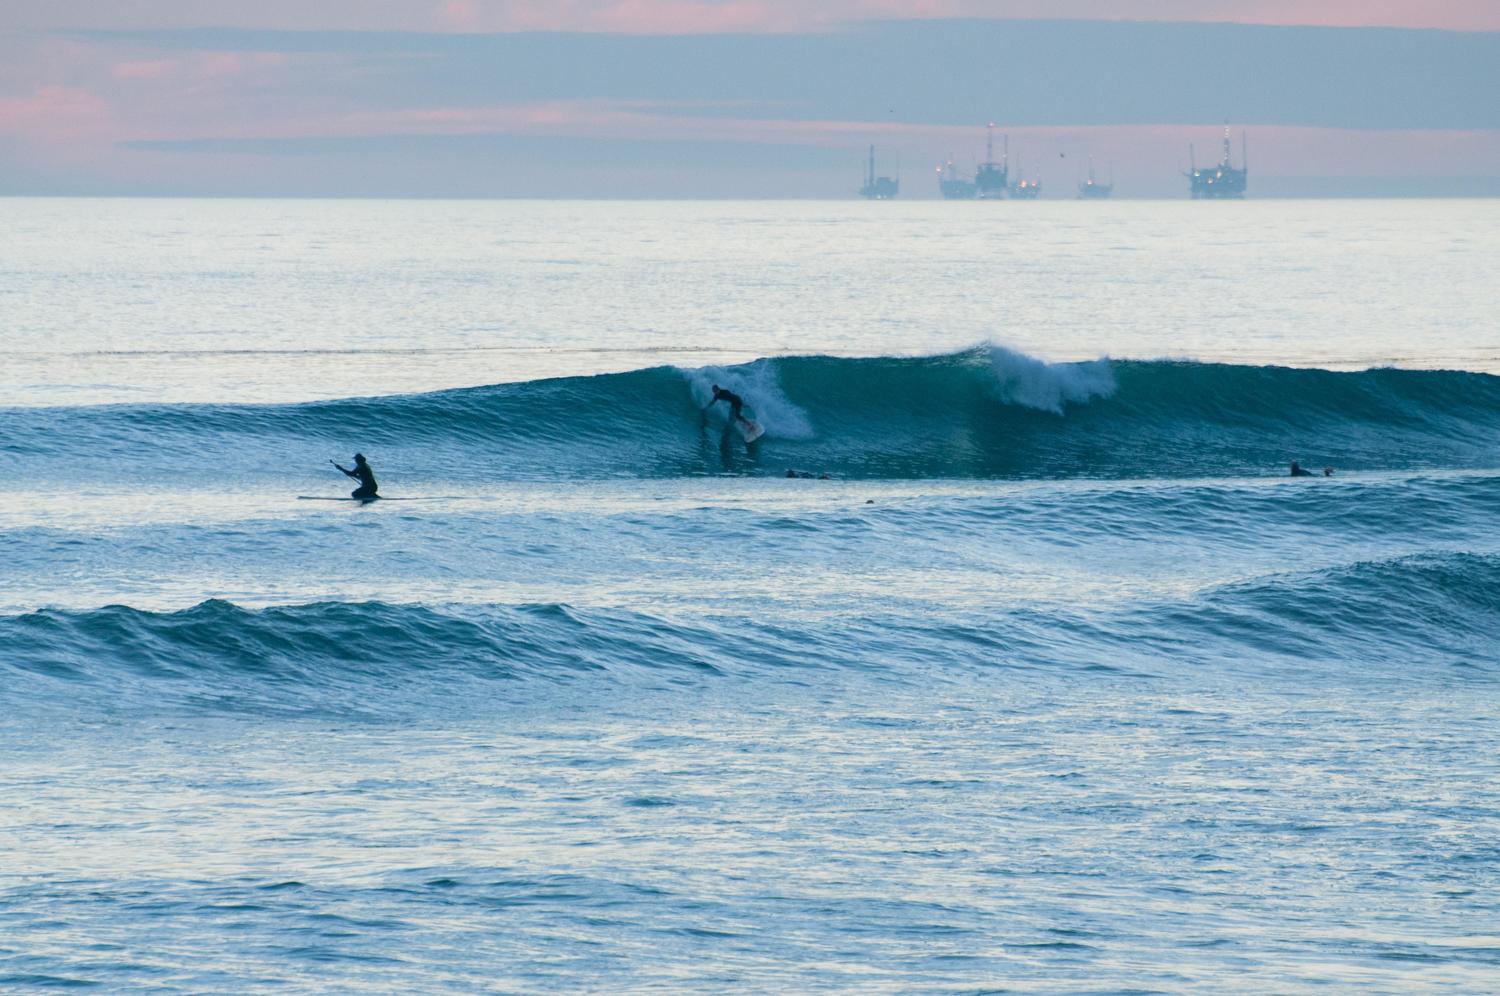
(364, 475)
(736, 403)
(747, 428)
(749, 431)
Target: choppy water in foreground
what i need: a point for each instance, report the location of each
(1056, 685)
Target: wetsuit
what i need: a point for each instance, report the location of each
(1301, 471)
(735, 402)
(366, 478)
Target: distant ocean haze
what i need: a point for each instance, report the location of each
(272, 301)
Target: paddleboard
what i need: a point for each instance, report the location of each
(362, 501)
(750, 430)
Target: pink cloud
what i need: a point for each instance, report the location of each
(687, 17)
(690, 16)
(461, 14)
(673, 17)
(236, 63)
(53, 113)
(694, 16)
(153, 69)
(199, 65)
(1458, 15)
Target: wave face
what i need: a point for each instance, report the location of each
(324, 656)
(373, 657)
(982, 413)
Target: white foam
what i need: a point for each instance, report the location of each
(1025, 380)
(765, 402)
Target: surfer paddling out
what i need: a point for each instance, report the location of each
(364, 475)
(750, 430)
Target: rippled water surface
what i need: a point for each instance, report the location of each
(1056, 683)
(254, 300)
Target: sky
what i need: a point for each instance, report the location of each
(740, 98)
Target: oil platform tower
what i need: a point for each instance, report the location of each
(1221, 182)
(993, 178)
(1024, 189)
(879, 188)
(1092, 190)
(953, 185)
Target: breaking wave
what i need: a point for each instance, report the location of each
(984, 412)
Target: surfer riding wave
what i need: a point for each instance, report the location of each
(748, 429)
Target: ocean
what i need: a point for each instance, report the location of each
(1010, 658)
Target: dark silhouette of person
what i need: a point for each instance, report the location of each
(736, 414)
(364, 475)
(1300, 471)
(735, 402)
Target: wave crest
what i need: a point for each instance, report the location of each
(985, 412)
(1025, 380)
(375, 657)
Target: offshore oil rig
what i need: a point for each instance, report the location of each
(953, 185)
(1092, 190)
(879, 188)
(994, 179)
(1221, 182)
(1024, 189)
(991, 179)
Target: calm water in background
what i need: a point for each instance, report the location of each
(250, 300)
(1058, 686)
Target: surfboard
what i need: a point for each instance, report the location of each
(362, 501)
(750, 430)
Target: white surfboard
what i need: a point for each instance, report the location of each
(750, 430)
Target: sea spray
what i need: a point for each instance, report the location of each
(758, 383)
(1025, 380)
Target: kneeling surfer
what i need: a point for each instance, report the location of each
(364, 475)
